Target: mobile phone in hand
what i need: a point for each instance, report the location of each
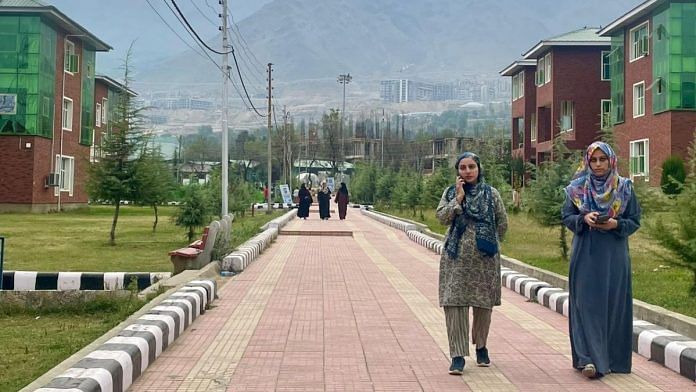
(601, 219)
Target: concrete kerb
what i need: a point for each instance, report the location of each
(660, 335)
(153, 329)
(247, 252)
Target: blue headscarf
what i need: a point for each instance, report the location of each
(479, 208)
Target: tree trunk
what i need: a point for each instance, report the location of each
(564, 243)
(154, 226)
(112, 234)
(190, 234)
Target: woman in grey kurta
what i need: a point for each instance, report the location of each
(600, 311)
(470, 262)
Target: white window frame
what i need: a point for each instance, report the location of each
(547, 68)
(539, 74)
(69, 50)
(605, 116)
(567, 110)
(520, 121)
(97, 115)
(636, 46)
(67, 114)
(646, 159)
(65, 166)
(105, 111)
(605, 55)
(533, 127)
(639, 101)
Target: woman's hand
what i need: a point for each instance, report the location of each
(460, 190)
(591, 218)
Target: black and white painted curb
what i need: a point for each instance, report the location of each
(63, 281)
(247, 252)
(668, 348)
(117, 363)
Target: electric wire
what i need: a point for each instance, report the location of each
(181, 14)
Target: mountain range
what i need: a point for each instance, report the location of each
(373, 39)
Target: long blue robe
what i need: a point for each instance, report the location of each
(600, 311)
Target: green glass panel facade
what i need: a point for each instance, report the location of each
(87, 126)
(679, 23)
(27, 69)
(617, 79)
(660, 58)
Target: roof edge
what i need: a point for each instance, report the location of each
(630, 16)
(513, 68)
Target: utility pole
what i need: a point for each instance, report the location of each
(270, 114)
(225, 146)
(343, 79)
(287, 164)
(381, 134)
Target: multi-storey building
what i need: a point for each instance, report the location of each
(47, 109)
(571, 93)
(653, 84)
(107, 93)
(524, 124)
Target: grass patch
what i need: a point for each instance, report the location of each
(78, 240)
(34, 341)
(653, 280)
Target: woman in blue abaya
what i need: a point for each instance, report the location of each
(601, 210)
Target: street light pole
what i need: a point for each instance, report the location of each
(225, 143)
(343, 79)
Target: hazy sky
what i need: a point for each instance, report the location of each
(120, 22)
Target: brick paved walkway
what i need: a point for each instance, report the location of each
(360, 313)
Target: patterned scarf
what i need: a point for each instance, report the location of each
(608, 194)
(480, 209)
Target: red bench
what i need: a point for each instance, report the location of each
(198, 253)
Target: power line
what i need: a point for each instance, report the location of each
(214, 62)
(173, 31)
(181, 14)
(201, 12)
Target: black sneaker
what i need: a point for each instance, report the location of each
(482, 357)
(457, 367)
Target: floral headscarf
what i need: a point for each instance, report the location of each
(608, 194)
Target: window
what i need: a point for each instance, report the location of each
(67, 114)
(566, 116)
(606, 65)
(97, 115)
(518, 86)
(605, 114)
(104, 110)
(638, 99)
(520, 132)
(70, 59)
(539, 74)
(547, 68)
(533, 125)
(639, 41)
(639, 159)
(66, 170)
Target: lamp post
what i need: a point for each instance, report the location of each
(343, 79)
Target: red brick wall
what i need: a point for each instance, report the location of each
(16, 178)
(577, 71)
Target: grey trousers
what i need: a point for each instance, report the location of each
(457, 320)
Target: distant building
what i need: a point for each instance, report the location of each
(106, 100)
(47, 108)
(570, 92)
(653, 84)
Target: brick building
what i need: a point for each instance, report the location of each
(47, 110)
(572, 90)
(524, 131)
(653, 97)
(106, 98)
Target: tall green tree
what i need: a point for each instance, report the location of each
(547, 190)
(114, 178)
(154, 180)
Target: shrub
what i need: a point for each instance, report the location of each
(673, 175)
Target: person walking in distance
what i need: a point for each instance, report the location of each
(470, 262)
(305, 201)
(324, 198)
(342, 201)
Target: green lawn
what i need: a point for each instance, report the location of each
(78, 240)
(33, 342)
(653, 280)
